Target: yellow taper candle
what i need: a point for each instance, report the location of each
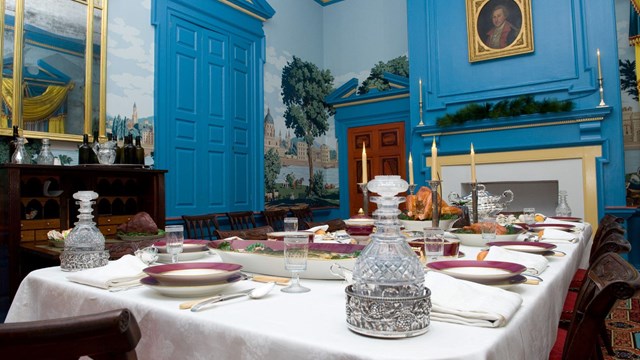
(473, 165)
(364, 164)
(410, 169)
(599, 66)
(434, 160)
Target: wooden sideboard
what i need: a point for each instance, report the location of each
(29, 208)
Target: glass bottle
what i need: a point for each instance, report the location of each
(45, 157)
(19, 155)
(119, 149)
(563, 208)
(129, 154)
(85, 235)
(85, 151)
(12, 143)
(95, 146)
(139, 152)
(388, 267)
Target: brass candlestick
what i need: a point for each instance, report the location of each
(602, 104)
(435, 204)
(474, 201)
(365, 198)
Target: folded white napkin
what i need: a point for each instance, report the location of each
(578, 225)
(468, 303)
(319, 227)
(535, 263)
(123, 272)
(555, 235)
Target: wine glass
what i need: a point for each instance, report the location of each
(296, 247)
(174, 238)
(291, 224)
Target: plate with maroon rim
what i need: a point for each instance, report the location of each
(566, 218)
(505, 283)
(189, 290)
(478, 271)
(524, 246)
(538, 227)
(187, 246)
(201, 273)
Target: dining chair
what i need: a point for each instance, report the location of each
(614, 243)
(241, 220)
(334, 224)
(611, 278)
(609, 224)
(304, 215)
(108, 335)
(201, 226)
(275, 217)
(258, 233)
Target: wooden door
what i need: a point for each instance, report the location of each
(385, 148)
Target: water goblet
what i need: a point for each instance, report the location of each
(488, 227)
(529, 215)
(174, 237)
(291, 224)
(433, 243)
(296, 247)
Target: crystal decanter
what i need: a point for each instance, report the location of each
(388, 298)
(84, 246)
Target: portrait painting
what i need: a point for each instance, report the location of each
(498, 28)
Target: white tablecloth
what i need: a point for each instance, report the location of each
(302, 326)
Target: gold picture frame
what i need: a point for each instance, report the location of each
(498, 28)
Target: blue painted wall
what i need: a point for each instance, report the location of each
(562, 66)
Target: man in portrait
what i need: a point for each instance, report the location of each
(503, 32)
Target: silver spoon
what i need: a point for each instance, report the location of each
(256, 293)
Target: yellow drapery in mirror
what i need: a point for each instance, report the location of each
(39, 107)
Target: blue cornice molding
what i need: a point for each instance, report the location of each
(327, 2)
(257, 8)
(347, 95)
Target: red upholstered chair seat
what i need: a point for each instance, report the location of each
(577, 280)
(558, 346)
(567, 308)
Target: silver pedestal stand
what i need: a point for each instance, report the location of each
(435, 186)
(365, 198)
(412, 188)
(474, 202)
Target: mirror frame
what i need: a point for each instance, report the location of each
(92, 6)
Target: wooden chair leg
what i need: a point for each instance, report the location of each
(606, 340)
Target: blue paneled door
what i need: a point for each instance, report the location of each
(209, 131)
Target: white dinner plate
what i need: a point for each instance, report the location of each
(187, 246)
(201, 273)
(185, 256)
(524, 246)
(188, 291)
(478, 271)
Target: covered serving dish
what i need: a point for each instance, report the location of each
(488, 205)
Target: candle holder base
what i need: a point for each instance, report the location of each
(435, 190)
(365, 198)
(412, 188)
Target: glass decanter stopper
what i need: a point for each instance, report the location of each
(388, 267)
(563, 208)
(85, 236)
(19, 156)
(45, 157)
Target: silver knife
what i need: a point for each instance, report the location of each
(219, 298)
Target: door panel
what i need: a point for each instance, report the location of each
(385, 148)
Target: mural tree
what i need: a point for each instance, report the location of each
(272, 167)
(398, 66)
(304, 87)
(628, 82)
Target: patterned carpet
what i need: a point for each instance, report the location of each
(624, 328)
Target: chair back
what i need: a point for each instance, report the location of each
(608, 225)
(275, 217)
(241, 220)
(258, 233)
(610, 278)
(113, 335)
(613, 242)
(201, 226)
(304, 215)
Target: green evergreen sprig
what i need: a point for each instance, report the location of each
(523, 105)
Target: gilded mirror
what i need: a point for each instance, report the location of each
(58, 53)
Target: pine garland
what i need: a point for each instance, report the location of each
(522, 105)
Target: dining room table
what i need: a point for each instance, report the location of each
(308, 325)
